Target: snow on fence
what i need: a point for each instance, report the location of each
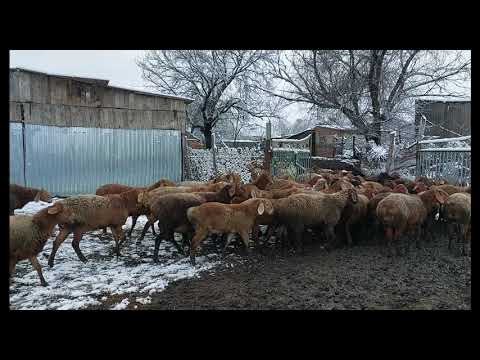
(228, 159)
(451, 164)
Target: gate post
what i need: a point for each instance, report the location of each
(268, 148)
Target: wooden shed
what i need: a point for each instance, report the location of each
(445, 118)
(61, 100)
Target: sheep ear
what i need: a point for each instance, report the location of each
(253, 194)
(55, 209)
(353, 195)
(440, 196)
(37, 197)
(261, 208)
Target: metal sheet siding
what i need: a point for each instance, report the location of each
(76, 160)
(16, 154)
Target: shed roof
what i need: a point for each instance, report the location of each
(103, 82)
(322, 126)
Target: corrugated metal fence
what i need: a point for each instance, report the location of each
(16, 155)
(76, 160)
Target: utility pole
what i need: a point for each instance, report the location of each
(391, 151)
(268, 147)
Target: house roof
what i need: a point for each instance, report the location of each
(104, 82)
(322, 126)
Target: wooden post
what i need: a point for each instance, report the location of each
(421, 131)
(268, 148)
(185, 159)
(391, 152)
(214, 149)
(353, 140)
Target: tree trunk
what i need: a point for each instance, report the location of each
(207, 133)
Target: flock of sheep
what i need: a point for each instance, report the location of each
(327, 202)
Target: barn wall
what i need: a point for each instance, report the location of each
(455, 116)
(58, 101)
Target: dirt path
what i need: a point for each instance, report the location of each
(361, 277)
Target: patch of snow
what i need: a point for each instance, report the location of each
(122, 305)
(228, 159)
(145, 300)
(76, 285)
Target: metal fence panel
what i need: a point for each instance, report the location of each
(16, 154)
(453, 166)
(290, 162)
(75, 160)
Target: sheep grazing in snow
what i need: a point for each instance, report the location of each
(457, 212)
(28, 234)
(20, 196)
(91, 212)
(225, 218)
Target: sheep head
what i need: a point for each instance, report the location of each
(43, 195)
(352, 195)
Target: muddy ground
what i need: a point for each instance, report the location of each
(359, 277)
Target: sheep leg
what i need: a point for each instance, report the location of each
(104, 230)
(13, 264)
(153, 229)
(158, 240)
(144, 231)
(330, 235)
(171, 238)
(255, 232)
(62, 235)
(36, 265)
(246, 240)
(200, 234)
(418, 236)
(119, 236)
(347, 232)
(134, 222)
(297, 233)
(230, 237)
(77, 236)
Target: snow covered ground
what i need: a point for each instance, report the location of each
(75, 285)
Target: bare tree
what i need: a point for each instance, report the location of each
(215, 79)
(369, 87)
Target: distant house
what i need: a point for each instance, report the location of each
(325, 138)
(193, 141)
(445, 118)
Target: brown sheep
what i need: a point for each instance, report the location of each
(457, 212)
(354, 213)
(299, 211)
(451, 189)
(399, 213)
(91, 212)
(157, 210)
(130, 199)
(225, 218)
(28, 235)
(20, 196)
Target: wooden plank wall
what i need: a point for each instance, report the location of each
(50, 100)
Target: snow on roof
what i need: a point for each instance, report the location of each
(140, 90)
(461, 138)
(445, 99)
